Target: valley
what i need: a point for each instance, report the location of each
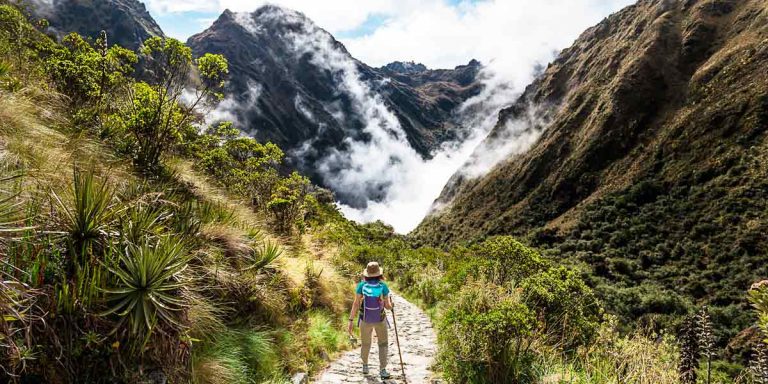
(199, 209)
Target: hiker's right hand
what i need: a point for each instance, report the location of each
(350, 327)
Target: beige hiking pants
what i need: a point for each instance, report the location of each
(366, 330)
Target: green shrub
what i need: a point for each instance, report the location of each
(486, 337)
(568, 308)
(502, 259)
(287, 201)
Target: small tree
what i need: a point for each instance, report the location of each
(87, 73)
(287, 201)
(163, 108)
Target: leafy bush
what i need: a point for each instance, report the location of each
(486, 337)
(503, 259)
(287, 201)
(88, 75)
(568, 308)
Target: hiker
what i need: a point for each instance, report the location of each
(372, 297)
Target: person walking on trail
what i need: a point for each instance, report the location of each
(371, 299)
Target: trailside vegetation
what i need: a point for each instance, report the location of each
(117, 262)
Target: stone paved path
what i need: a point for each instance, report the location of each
(417, 342)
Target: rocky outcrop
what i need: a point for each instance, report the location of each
(126, 22)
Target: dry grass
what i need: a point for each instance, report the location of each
(298, 252)
(638, 358)
(31, 138)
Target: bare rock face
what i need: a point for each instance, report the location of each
(293, 84)
(126, 22)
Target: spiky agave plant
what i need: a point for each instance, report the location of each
(91, 213)
(263, 256)
(141, 221)
(148, 278)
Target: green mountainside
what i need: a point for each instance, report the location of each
(652, 171)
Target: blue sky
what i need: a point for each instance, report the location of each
(512, 34)
(184, 23)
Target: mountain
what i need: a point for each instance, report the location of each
(126, 22)
(292, 83)
(651, 164)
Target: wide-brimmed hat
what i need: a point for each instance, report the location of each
(373, 270)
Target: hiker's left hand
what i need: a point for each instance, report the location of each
(350, 327)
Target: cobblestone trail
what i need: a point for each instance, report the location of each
(417, 342)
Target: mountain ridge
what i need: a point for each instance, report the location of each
(127, 22)
(303, 104)
(650, 173)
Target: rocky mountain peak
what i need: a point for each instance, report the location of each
(405, 67)
(294, 84)
(126, 22)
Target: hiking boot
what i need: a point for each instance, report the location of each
(384, 374)
(365, 369)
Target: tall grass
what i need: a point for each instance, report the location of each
(236, 357)
(323, 336)
(639, 358)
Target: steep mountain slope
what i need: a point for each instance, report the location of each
(651, 167)
(126, 22)
(292, 83)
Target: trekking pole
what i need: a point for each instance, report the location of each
(397, 341)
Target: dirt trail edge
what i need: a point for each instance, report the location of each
(418, 343)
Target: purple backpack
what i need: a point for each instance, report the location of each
(372, 310)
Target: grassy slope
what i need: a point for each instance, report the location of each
(34, 138)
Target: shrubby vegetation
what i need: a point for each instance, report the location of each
(507, 313)
(115, 267)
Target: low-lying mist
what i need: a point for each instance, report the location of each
(395, 183)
